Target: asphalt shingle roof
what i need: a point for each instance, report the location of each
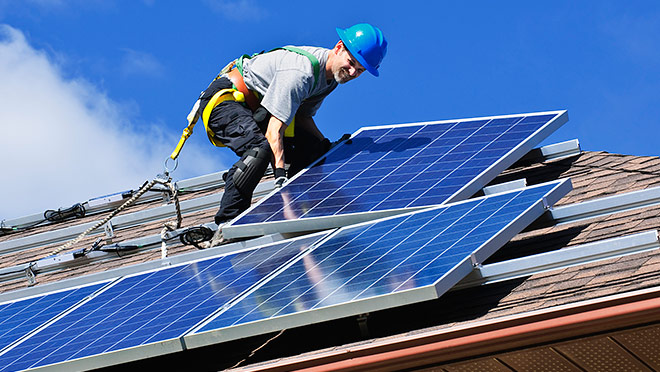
(594, 175)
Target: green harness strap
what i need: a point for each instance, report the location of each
(316, 65)
(223, 96)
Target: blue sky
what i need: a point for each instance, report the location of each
(94, 94)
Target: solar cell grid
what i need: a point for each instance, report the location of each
(402, 253)
(400, 167)
(381, 168)
(151, 307)
(18, 318)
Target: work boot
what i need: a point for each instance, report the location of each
(217, 239)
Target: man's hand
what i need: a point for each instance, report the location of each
(280, 177)
(343, 138)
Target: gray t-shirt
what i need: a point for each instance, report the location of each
(285, 80)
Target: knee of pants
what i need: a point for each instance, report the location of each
(248, 171)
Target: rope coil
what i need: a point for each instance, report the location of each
(77, 211)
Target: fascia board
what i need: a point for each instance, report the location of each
(472, 339)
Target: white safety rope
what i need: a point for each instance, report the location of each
(166, 180)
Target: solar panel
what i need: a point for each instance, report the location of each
(387, 263)
(383, 170)
(150, 308)
(19, 318)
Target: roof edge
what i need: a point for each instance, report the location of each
(499, 334)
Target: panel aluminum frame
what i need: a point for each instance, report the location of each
(194, 340)
(233, 230)
(28, 314)
(386, 301)
(151, 349)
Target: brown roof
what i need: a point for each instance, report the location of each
(33, 254)
(594, 175)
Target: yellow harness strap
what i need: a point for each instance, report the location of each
(218, 98)
(193, 116)
(289, 131)
(187, 131)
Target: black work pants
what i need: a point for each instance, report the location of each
(233, 124)
(301, 150)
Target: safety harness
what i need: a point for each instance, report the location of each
(238, 93)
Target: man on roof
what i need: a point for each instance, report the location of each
(281, 92)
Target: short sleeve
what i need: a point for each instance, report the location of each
(286, 93)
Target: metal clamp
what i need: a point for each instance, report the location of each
(109, 231)
(31, 275)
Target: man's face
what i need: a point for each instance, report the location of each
(346, 67)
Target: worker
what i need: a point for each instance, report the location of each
(278, 86)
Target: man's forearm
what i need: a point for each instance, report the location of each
(275, 137)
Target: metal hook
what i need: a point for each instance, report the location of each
(176, 164)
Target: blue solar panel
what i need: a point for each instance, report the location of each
(396, 167)
(151, 307)
(424, 254)
(18, 318)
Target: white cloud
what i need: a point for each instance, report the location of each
(634, 34)
(140, 63)
(244, 10)
(63, 141)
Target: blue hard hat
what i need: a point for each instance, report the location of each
(366, 43)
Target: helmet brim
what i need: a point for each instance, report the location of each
(344, 37)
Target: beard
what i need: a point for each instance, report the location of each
(341, 76)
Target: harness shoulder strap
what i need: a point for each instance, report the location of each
(239, 60)
(316, 65)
